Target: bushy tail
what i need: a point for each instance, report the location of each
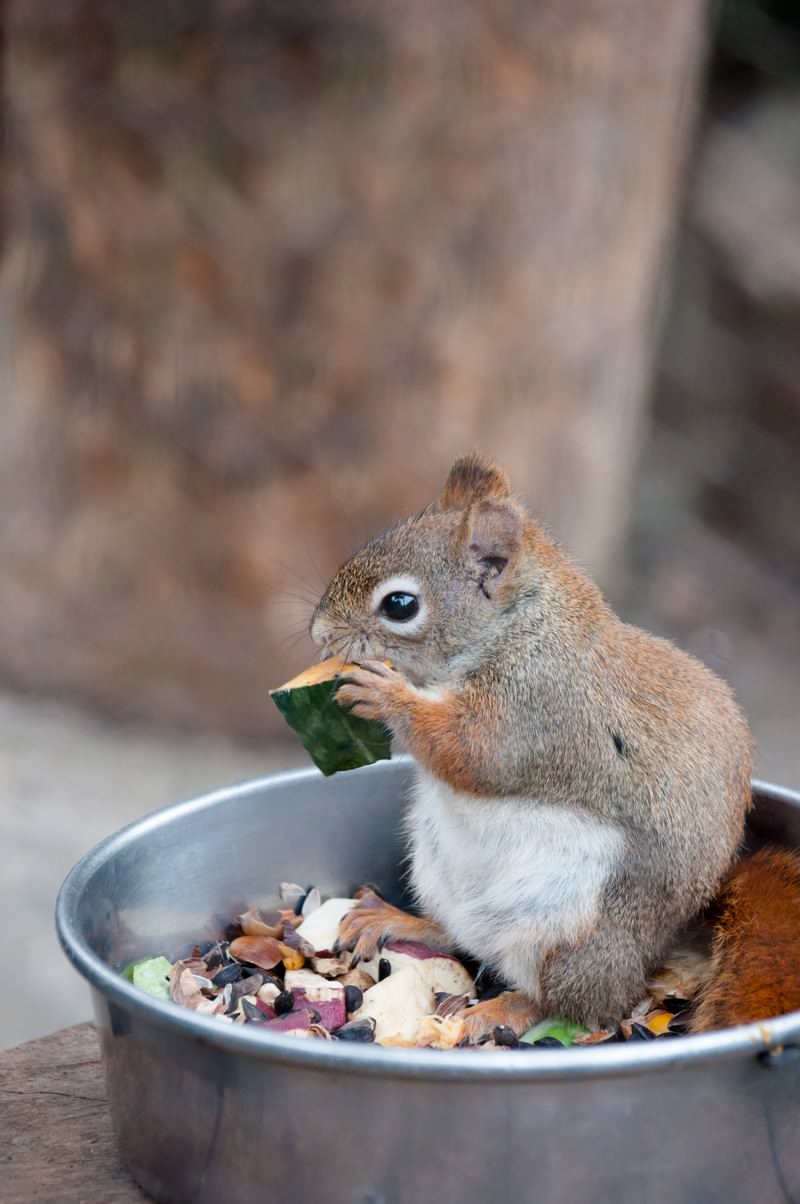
(755, 962)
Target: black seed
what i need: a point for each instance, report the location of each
(283, 1003)
(547, 1043)
(251, 1013)
(251, 984)
(640, 1032)
(451, 1005)
(219, 956)
(384, 968)
(504, 1036)
(668, 1034)
(358, 1030)
(298, 907)
(235, 990)
(614, 1039)
(230, 973)
(678, 1027)
(353, 998)
(487, 984)
(675, 1005)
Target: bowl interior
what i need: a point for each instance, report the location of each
(181, 874)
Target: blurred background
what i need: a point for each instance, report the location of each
(266, 268)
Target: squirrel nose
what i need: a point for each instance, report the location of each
(319, 629)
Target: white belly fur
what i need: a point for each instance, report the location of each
(508, 879)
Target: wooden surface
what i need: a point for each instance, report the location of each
(56, 1145)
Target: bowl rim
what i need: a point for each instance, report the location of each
(615, 1060)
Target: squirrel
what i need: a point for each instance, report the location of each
(581, 785)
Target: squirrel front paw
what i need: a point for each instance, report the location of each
(367, 928)
(374, 690)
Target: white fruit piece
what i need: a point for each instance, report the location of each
(313, 986)
(439, 970)
(397, 1004)
(321, 928)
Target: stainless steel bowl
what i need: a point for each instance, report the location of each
(205, 1111)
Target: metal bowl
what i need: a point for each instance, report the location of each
(205, 1111)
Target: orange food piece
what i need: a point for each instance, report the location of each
(262, 951)
(314, 674)
(292, 958)
(658, 1022)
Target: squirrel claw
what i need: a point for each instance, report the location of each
(365, 930)
(373, 691)
(379, 668)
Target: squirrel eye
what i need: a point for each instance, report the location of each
(399, 606)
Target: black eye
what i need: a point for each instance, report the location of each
(399, 607)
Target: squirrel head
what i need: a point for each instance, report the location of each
(430, 592)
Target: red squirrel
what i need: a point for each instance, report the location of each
(581, 785)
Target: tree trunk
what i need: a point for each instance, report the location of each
(268, 269)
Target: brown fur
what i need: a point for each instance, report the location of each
(469, 479)
(755, 961)
(524, 683)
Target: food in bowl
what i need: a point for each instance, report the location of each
(285, 972)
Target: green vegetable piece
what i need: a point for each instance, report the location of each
(564, 1031)
(150, 974)
(335, 738)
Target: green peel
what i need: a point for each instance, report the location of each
(334, 737)
(150, 974)
(564, 1031)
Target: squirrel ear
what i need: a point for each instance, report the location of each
(491, 533)
(470, 479)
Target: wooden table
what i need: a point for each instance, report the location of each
(56, 1145)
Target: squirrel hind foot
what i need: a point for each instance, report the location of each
(513, 1010)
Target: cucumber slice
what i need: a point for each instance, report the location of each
(335, 738)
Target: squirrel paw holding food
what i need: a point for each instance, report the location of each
(581, 785)
(375, 690)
